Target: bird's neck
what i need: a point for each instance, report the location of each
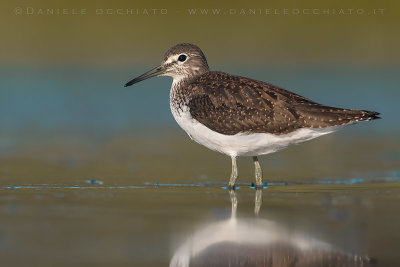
(180, 81)
(179, 95)
(177, 81)
(177, 89)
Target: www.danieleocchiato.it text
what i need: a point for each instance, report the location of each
(285, 11)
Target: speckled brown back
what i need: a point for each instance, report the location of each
(231, 104)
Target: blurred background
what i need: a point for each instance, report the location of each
(66, 119)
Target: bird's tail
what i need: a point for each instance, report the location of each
(319, 115)
(363, 115)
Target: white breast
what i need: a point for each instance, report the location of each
(241, 144)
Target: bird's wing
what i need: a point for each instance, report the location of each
(231, 104)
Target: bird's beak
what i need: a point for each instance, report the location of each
(151, 73)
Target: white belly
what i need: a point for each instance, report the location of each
(243, 144)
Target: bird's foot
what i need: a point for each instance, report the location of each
(231, 187)
(258, 186)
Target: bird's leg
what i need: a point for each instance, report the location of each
(234, 174)
(258, 173)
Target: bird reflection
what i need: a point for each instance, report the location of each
(257, 242)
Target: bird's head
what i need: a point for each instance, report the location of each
(180, 62)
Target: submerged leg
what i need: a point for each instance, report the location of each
(234, 174)
(258, 172)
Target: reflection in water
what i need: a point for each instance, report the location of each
(257, 242)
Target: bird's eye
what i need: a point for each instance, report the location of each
(182, 58)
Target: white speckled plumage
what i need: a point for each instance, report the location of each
(238, 116)
(240, 144)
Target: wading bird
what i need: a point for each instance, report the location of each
(238, 116)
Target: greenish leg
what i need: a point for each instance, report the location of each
(234, 174)
(258, 172)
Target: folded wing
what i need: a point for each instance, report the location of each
(231, 104)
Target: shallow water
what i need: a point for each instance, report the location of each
(103, 226)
